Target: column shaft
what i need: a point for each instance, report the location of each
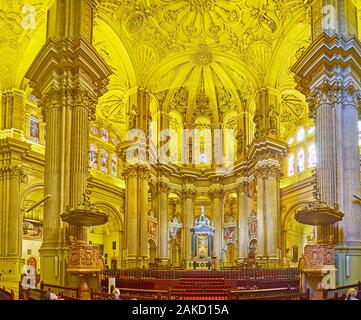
(243, 214)
(163, 226)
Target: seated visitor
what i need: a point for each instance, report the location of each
(116, 293)
(351, 294)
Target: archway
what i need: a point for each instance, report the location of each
(175, 218)
(152, 247)
(252, 249)
(296, 237)
(109, 237)
(32, 226)
(114, 264)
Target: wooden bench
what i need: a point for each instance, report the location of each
(6, 295)
(258, 293)
(339, 293)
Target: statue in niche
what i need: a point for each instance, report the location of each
(273, 118)
(257, 120)
(132, 116)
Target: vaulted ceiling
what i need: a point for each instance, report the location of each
(199, 58)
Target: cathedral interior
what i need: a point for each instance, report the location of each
(179, 135)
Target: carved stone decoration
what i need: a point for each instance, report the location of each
(175, 227)
(318, 256)
(252, 226)
(83, 259)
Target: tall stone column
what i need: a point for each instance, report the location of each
(188, 196)
(12, 149)
(131, 217)
(136, 215)
(163, 222)
(261, 212)
(143, 208)
(216, 196)
(68, 89)
(333, 96)
(12, 107)
(268, 211)
(243, 214)
(11, 217)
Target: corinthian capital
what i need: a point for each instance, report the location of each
(242, 187)
(331, 92)
(189, 194)
(268, 170)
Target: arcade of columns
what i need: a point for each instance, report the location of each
(68, 76)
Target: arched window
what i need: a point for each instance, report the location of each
(300, 160)
(291, 140)
(114, 165)
(93, 156)
(311, 155)
(300, 134)
(311, 130)
(104, 156)
(291, 165)
(105, 135)
(34, 129)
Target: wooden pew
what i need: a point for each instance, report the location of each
(340, 293)
(258, 293)
(62, 291)
(6, 295)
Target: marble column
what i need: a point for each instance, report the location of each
(12, 173)
(216, 217)
(11, 218)
(163, 223)
(68, 94)
(268, 211)
(189, 196)
(143, 174)
(333, 98)
(243, 214)
(261, 211)
(131, 217)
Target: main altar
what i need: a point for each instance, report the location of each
(202, 244)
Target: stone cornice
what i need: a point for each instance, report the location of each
(336, 57)
(76, 56)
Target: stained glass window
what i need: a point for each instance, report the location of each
(300, 134)
(93, 156)
(34, 129)
(300, 160)
(291, 165)
(105, 135)
(202, 157)
(114, 165)
(312, 155)
(104, 155)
